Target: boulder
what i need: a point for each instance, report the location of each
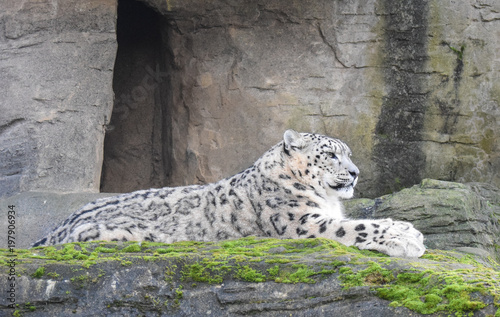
(245, 277)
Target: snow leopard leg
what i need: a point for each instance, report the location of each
(394, 238)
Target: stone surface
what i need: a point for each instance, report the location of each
(411, 86)
(245, 277)
(195, 278)
(55, 93)
(204, 88)
(37, 213)
(450, 215)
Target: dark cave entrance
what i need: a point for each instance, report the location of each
(136, 145)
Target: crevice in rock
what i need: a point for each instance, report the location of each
(10, 124)
(134, 148)
(450, 109)
(331, 46)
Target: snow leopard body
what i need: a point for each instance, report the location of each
(293, 191)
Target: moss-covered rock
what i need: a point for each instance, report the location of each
(250, 276)
(269, 277)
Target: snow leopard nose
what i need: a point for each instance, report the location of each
(353, 171)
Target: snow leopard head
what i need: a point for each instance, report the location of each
(322, 161)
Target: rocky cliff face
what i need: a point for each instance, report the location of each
(410, 86)
(203, 89)
(56, 97)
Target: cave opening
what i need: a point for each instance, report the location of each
(136, 145)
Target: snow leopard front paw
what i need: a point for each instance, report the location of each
(408, 229)
(396, 239)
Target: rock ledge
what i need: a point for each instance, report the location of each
(259, 277)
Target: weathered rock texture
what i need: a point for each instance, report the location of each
(37, 213)
(56, 96)
(245, 277)
(411, 85)
(204, 88)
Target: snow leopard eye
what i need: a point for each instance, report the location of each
(332, 155)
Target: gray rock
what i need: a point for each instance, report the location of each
(410, 86)
(56, 95)
(38, 213)
(313, 278)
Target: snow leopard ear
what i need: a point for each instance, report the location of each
(292, 140)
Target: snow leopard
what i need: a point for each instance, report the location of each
(292, 191)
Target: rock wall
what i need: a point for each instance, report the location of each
(135, 142)
(56, 69)
(410, 86)
(202, 89)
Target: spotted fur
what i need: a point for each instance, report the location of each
(292, 191)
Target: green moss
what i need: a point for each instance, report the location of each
(132, 248)
(105, 250)
(458, 52)
(199, 273)
(445, 281)
(274, 271)
(431, 292)
(170, 273)
(163, 251)
(88, 263)
(39, 272)
(300, 273)
(81, 281)
(279, 261)
(179, 294)
(248, 274)
(374, 274)
(337, 263)
(53, 274)
(250, 250)
(30, 307)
